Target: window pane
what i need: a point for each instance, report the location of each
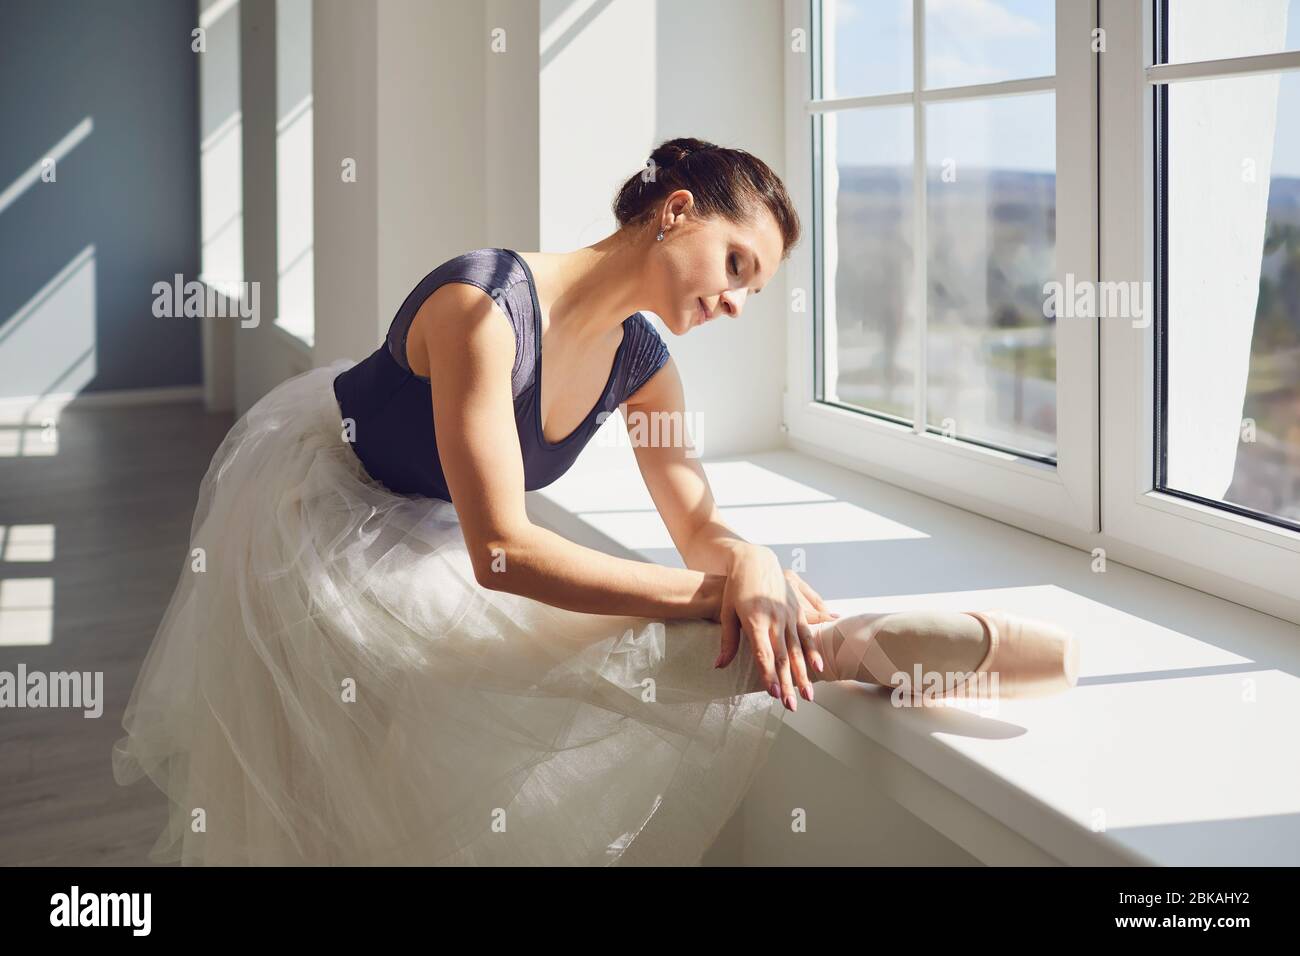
(991, 231)
(1233, 327)
(1215, 29)
(988, 41)
(868, 48)
(870, 344)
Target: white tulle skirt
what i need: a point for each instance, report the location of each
(331, 685)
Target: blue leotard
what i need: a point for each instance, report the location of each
(391, 406)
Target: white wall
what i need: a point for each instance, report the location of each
(720, 70)
(512, 210)
(344, 82)
(617, 79)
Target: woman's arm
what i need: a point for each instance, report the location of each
(771, 606)
(676, 479)
(471, 349)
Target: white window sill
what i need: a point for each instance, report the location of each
(1159, 756)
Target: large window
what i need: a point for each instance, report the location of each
(944, 221)
(1198, 404)
(951, 160)
(1054, 270)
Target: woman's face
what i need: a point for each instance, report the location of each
(710, 267)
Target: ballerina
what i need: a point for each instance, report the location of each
(373, 657)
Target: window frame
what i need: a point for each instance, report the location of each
(1104, 500)
(1019, 487)
(1257, 554)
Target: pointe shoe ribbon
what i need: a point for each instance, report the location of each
(858, 648)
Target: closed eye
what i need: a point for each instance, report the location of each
(734, 261)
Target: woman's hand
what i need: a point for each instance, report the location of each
(774, 609)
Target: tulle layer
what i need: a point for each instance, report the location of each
(331, 685)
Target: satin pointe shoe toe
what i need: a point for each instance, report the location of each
(1028, 657)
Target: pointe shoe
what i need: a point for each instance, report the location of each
(1026, 658)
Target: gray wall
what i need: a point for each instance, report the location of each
(130, 188)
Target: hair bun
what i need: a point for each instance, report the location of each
(674, 151)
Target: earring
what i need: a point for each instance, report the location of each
(660, 237)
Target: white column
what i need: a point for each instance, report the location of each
(258, 356)
(345, 59)
(221, 199)
(439, 130)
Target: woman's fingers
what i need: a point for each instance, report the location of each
(798, 662)
(777, 637)
(730, 635)
(811, 652)
(799, 634)
(814, 614)
(756, 631)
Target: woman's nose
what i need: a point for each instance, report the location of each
(733, 302)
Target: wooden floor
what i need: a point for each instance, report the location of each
(119, 494)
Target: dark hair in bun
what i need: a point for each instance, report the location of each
(727, 183)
